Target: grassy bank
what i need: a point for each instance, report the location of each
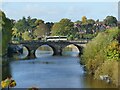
(102, 55)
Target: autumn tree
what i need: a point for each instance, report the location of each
(84, 19)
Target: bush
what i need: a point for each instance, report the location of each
(113, 51)
(109, 68)
(102, 53)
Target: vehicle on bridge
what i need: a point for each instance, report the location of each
(56, 38)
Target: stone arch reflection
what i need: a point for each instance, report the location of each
(44, 50)
(22, 54)
(71, 50)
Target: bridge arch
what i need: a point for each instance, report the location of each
(53, 48)
(32, 50)
(80, 48)
(46, 45)
(57, 49)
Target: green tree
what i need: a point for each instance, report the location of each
(91, 21)
(49, 25)
(41, 29)
(5, 32)
(65, 27)
(22, 25)
(110, 20)
(26, 36)
(31, 23)
(38, 22)
(16, 35)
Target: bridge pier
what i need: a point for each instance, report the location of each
(31, 54)
(57, 52)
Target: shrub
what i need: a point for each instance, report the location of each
(102, 55)
(113, 51)
(109, 68)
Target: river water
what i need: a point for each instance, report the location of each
(47, 71)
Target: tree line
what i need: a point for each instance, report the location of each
(5, 32)
(34, 29)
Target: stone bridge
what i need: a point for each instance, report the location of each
(57, 46)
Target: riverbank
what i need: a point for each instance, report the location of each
(101, 56)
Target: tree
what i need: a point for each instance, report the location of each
(78, 24)
(64, 27)
(26, 36)
(97, 21)
(91, 21)
(22, 26)
(41, 29)
(16, 35)
(110, 20)
(38, 22)
(5, 32)
(31, 23)
(49, 25)
(84, 19)
(25, 24)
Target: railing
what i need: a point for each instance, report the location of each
(35, 41)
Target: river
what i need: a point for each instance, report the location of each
(47, 71)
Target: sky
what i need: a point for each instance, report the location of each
(55, 11)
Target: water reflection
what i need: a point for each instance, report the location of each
(21, 56)
(51, 72)
(58, 72)
(70, 50)
(44, 50)
(90, 82)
